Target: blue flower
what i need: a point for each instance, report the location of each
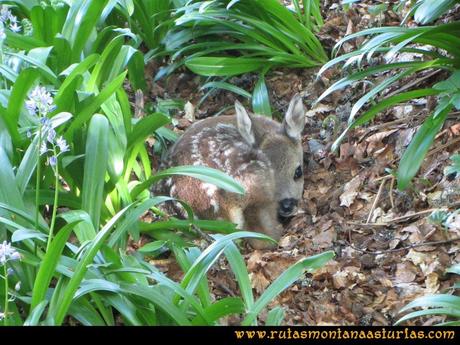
(62, 144)
(53, 161)
(40, 101)
(8, 253)
(5, 14)
(15, 27)
(51, 135)
(43, 148)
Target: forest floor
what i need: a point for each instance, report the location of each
(387, 251)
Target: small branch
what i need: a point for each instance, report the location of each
(225, 289)
(404, 120)
(442, 147)
(413, 83)
(392, 183)
(397, 219)
(368, 225)
(415, 245)
(139, 109)
(376, 200)
(383, 178)
(202, 234)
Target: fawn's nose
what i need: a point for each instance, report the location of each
(287, 206)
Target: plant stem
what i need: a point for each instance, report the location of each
(37, 183)
(5, 311)
(56, 193)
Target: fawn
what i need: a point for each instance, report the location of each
(263, 155)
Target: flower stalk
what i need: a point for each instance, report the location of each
(7, 253)
(55, 203)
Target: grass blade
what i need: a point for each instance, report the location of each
(82, 266)
(95, 168)
(48, 265)
(202, 173)
(284, 281)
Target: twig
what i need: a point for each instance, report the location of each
(383, 178)
(225, 289)
(376, 200)
(442, 147)
(202, 234)
(415, 245)
(413, 83)
(392, 183)
(453, 114)
(368, 225)
(397, 219)
(404, 120)
(139, 110)
(416, 214)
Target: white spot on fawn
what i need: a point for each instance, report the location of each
(228, 152)
(210, 189)
(196, 156)
(214, 204)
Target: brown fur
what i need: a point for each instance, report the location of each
(259, 153)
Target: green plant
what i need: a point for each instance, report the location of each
(75, 177)
(223, 38)
(437, 47)
(441, 304)
(209, 34)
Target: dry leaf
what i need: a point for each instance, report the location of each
(350, 191)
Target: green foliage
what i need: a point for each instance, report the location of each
(427, 11)
(440, 304)
(454, 168)
(69, 142)
(437, 48)
(223, 38)
(208, 34)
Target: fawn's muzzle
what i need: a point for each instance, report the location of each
(287, 207)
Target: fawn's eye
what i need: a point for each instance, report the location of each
(298, 173)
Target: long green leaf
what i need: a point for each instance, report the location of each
(82, 266)
(413, 157)
(95, 168)
(284, 281)
(260, 98)
(224, 66)
(146, 126)
(202, 264)
(205, 174)
(49, 263)
(386, 103)
(16, 100)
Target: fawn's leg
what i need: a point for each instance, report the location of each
(235, 215)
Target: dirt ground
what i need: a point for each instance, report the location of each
(387, 252)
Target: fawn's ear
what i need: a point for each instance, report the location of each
(294, 120)
(244, 123)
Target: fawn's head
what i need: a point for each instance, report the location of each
(283, 147)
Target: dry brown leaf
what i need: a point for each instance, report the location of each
(258, 281)
(405, 273)
(255, 260)
(339, 279)
(432, 283)
(350, 191)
